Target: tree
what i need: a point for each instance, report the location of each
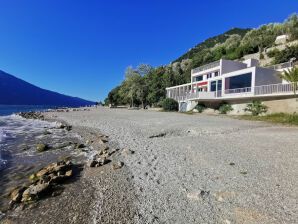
(290, 76)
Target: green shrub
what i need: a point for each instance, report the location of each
(272, 53)
(200, 108)
(170, 105)
(261, 56)
(256, 108)
(225, 108)
(285, 55)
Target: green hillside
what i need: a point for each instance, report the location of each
(211, 42)
(146, 85)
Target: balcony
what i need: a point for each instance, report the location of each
(205, 67)
(258, 91)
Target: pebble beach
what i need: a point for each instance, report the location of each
(175, 168)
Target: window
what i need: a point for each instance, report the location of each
(239, 81)
(209, 75)
(215, 74)
(213, 86)
(199, 78)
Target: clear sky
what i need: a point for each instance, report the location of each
(82, 47)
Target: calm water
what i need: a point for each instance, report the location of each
(10, 109)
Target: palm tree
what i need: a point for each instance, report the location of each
(291, 76)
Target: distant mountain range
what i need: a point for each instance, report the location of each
(14, 91)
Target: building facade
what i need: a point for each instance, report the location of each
(227, 80)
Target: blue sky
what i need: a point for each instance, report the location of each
(82, 47)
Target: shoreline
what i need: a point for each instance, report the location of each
(185, 169)
(91, 184)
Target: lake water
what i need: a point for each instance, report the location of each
(10, 109)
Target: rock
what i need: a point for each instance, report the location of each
(58, 179)
(78, 146)
(45, 178)
(42, 172)
(88, 142)
(34, 192)
(101, 136)
(41, 147)
(105, 148)
(114, 150)
(46, 133)
(16, 195)
(102, 141)
(92, 163)
(60, 126)
(102, 161)
(67, 127)
(127, 152)
(62, 145)
(24, 147)
(68, 173)
(117, 165)
(104, 155)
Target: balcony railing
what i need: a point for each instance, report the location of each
(205, 67)
(288, 64)
(274, 89)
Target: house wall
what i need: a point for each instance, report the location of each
(266, 77)
(230, 66)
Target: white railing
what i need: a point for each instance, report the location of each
(288, 64)
(274, 89)
(239, 90)
(205, 67)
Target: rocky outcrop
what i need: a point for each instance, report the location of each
(43, 182)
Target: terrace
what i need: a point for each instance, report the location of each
(257, 91)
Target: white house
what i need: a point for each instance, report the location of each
(226, 80)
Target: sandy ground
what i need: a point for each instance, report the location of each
(185, 169)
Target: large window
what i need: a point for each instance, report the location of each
(199, 78)
(239, 81)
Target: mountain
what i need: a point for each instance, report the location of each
(14, 91)
(211, 42)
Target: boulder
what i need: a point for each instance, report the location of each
(16, 194)
(41, 147)
(34, 192)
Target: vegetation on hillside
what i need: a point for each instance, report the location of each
(145, 85)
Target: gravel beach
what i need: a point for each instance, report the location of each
(184, 169)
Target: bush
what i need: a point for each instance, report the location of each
(225, 108)
(272, 53)
(261, 56)
(170, 105)
(200, 108)
(256, 108)
(287, 54)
